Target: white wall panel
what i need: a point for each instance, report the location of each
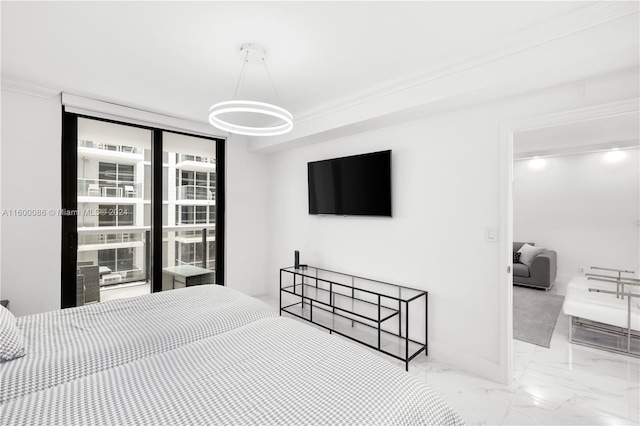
(31, 153)
(584, 206)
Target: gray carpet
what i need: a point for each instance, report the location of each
(535, 313)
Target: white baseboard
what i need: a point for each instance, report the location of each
(469, 363)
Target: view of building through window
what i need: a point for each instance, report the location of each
(114, 204)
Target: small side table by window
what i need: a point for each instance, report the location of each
(186, 276)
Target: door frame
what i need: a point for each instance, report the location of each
(507, 131)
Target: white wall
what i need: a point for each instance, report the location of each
(247, 207)
(31, 153)
(584, 206)
(446, 192)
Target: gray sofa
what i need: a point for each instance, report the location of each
(541, 273)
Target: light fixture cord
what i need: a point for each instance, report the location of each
(241, 78)
(271, 80)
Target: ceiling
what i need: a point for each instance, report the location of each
(179, 58)
(619, 131)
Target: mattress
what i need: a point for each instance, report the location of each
(269, 371)
(68, 344)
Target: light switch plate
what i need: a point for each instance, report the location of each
(491, 234)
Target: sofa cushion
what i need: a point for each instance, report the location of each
(528, 253)
(520, 270)
(517, 245)
(516, 257)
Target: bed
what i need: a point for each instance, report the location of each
(201, 355)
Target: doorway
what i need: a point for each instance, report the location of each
(508, 131)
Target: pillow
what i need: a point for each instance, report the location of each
(11, 342)
(528, 253)
(516, 257)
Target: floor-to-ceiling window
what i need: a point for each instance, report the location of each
(190, 224)
(145, 202)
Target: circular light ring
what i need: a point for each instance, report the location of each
(253, 108)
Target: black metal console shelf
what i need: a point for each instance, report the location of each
(371, 312)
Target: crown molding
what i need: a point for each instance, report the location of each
(135, 115)
(28, 89)
(612, 109)
(550, 31)
(574, 150)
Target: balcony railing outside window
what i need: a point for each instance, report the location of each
(109, 147)
(211, 263)
(108, 188)
(110, 238)
(196, 158)
(127, 263)
(195, 192)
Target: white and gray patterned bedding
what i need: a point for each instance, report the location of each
(271, 371)
(68, 344)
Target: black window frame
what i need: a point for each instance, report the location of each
(69, 201)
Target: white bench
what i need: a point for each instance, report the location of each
(603, 312)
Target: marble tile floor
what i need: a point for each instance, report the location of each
(562, 385)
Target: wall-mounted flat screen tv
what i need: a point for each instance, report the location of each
(354, 185)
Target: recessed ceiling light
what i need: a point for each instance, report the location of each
(614, 156)
(537, 163)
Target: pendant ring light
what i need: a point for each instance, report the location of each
(285, 119)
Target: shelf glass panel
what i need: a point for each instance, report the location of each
(342, 302)
(362, 285)
(390, 344)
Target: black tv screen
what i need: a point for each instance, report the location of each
(355, 185)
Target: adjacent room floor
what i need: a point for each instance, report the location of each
(563, 385)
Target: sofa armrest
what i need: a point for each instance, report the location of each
(544, 268)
